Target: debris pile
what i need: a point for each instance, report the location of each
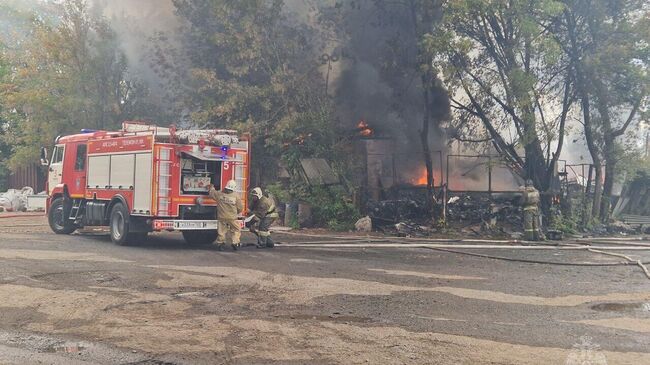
(15, 200)
(622, 228)
(364, 224)
(409, 229)
(395, 211)
(469, 213)
(485, 209)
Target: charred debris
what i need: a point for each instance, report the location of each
(474, 195)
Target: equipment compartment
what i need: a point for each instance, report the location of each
(197, 174)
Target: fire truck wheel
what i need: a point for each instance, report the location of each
(200, 237)
(57, 218)
(119, 225)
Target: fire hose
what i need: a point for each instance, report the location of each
(378, 242)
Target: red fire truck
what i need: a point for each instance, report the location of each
(143, 178)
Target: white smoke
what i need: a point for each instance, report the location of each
(135, 23)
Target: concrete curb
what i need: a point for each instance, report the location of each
(26, 215)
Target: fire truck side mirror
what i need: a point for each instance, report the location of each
(44, 161)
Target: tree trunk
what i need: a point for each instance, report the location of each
(606, 203)
(598, 191)
(535, 164)
(428, 162)
(610, 173)
(585, 102)
(536, 170)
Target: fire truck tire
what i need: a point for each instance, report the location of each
(119, 227)
(200, 237)
(57, 218)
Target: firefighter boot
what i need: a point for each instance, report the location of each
(235, 246)
(261, 243)
(269, 242)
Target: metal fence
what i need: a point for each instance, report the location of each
(30, 175)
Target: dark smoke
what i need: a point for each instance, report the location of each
(375, 76)
(379, 80)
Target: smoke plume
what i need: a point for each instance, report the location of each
(136, 23)
(376, 76)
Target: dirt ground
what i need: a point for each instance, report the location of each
(79, 299)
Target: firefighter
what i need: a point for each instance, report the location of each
(263, 209)
(229, 205)
(532, 218)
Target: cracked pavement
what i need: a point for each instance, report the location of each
(79, 299)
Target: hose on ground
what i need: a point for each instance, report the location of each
(629, 259)
(529, 261)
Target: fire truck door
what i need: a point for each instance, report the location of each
(77, 174)
(56, 167)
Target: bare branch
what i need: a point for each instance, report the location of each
(630, 117)
(462, 139)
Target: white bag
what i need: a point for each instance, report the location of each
(10, 200)
(14, 200)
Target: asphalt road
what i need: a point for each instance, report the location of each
(80, 299)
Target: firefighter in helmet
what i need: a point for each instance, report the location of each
(229, 205)
(532, 218)
(263, 209)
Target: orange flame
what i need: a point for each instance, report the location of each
(421, 178)
(366, 132)
(364, 129)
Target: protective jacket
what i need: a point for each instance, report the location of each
(228, 204)
(530, 196)
(264, 207)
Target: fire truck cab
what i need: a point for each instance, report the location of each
(143, 178)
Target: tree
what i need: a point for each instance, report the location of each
(5, 147)
(242, 64)
(508, 81)
(608, 44)
(65, 77)
(424, 17)
(387, 76)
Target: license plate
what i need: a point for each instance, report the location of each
(181, 225)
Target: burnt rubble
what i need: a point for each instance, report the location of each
(468, 213)
(491, 209)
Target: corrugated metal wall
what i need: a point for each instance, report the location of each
(31, 175)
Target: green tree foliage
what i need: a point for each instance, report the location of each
(507, 80)
(5, 147)
(66, 76)
(608, 43)
(244, 65)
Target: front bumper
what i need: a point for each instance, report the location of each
(186, 224)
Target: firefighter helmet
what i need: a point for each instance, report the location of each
(231, 185)
(257, 192)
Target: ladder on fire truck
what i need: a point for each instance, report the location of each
(76, 208)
